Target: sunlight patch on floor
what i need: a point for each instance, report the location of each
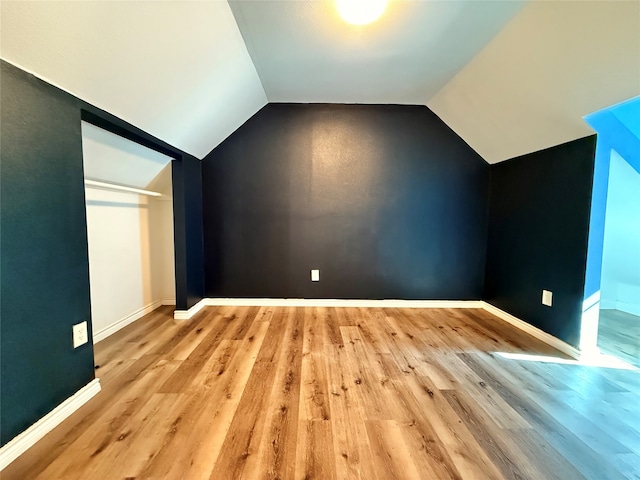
(594, 359)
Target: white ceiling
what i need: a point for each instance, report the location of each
(509, 77)
(176, 69)
(304, 52)
(110, 158)
(554, 63)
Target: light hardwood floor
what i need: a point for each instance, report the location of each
(619, 335)
(333, 393)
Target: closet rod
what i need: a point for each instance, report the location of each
(119, 188)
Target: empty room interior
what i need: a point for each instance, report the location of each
(329, 239)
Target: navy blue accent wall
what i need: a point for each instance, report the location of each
(43, 245)
(45, 271)
(538, 233)
(187, 198)
(385, 200)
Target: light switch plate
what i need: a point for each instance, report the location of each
(80, 336)
(315, 275)
(547, 298)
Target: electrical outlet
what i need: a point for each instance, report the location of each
(315, 275)
(547, 298)
(80, 335)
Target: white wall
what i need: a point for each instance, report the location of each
(620, 287)
(131, 269)
(161, 251)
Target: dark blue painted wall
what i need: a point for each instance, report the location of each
(385, 200)
(45, 272)
(187, 198)
(43, 248)
(538, 233)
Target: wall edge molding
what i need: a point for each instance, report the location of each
(541, 335)
(123, 322)
(25, 440)
(626, 307)
(187, 314)
(323, 302)
(337, 302)
(340, 302)
(390, 303)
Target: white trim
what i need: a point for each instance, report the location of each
(187, 314)
(626, 307)
(321, 302)
(25, 440)
(324, 302)
(541, 335)
(168, 301)
(123, 322)
(589, 324)
(607, 304)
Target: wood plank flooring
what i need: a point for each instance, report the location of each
(337, 393)
(619, 335)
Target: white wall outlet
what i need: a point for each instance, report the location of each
(547, 298)
(315, 275)
(80, 336)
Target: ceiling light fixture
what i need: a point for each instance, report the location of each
(360, 12)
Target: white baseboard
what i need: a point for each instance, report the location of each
(607, 304)
(21, 443)
(630, 308)
(541, 335)
(123, 322)
(187, 314)
(620, 306)
(321, 302)
(324, 302)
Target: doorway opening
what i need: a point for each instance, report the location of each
(129, 207)
(611, 318)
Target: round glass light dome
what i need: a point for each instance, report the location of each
(360, 12)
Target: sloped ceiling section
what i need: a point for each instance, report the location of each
(110, 158)
(177, 69)
(304, 52)
(554, 63)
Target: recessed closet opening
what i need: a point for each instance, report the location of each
(129, 205)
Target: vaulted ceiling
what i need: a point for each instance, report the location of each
(177, 69)
(508, 77)
(304, 51)
(531, 86)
